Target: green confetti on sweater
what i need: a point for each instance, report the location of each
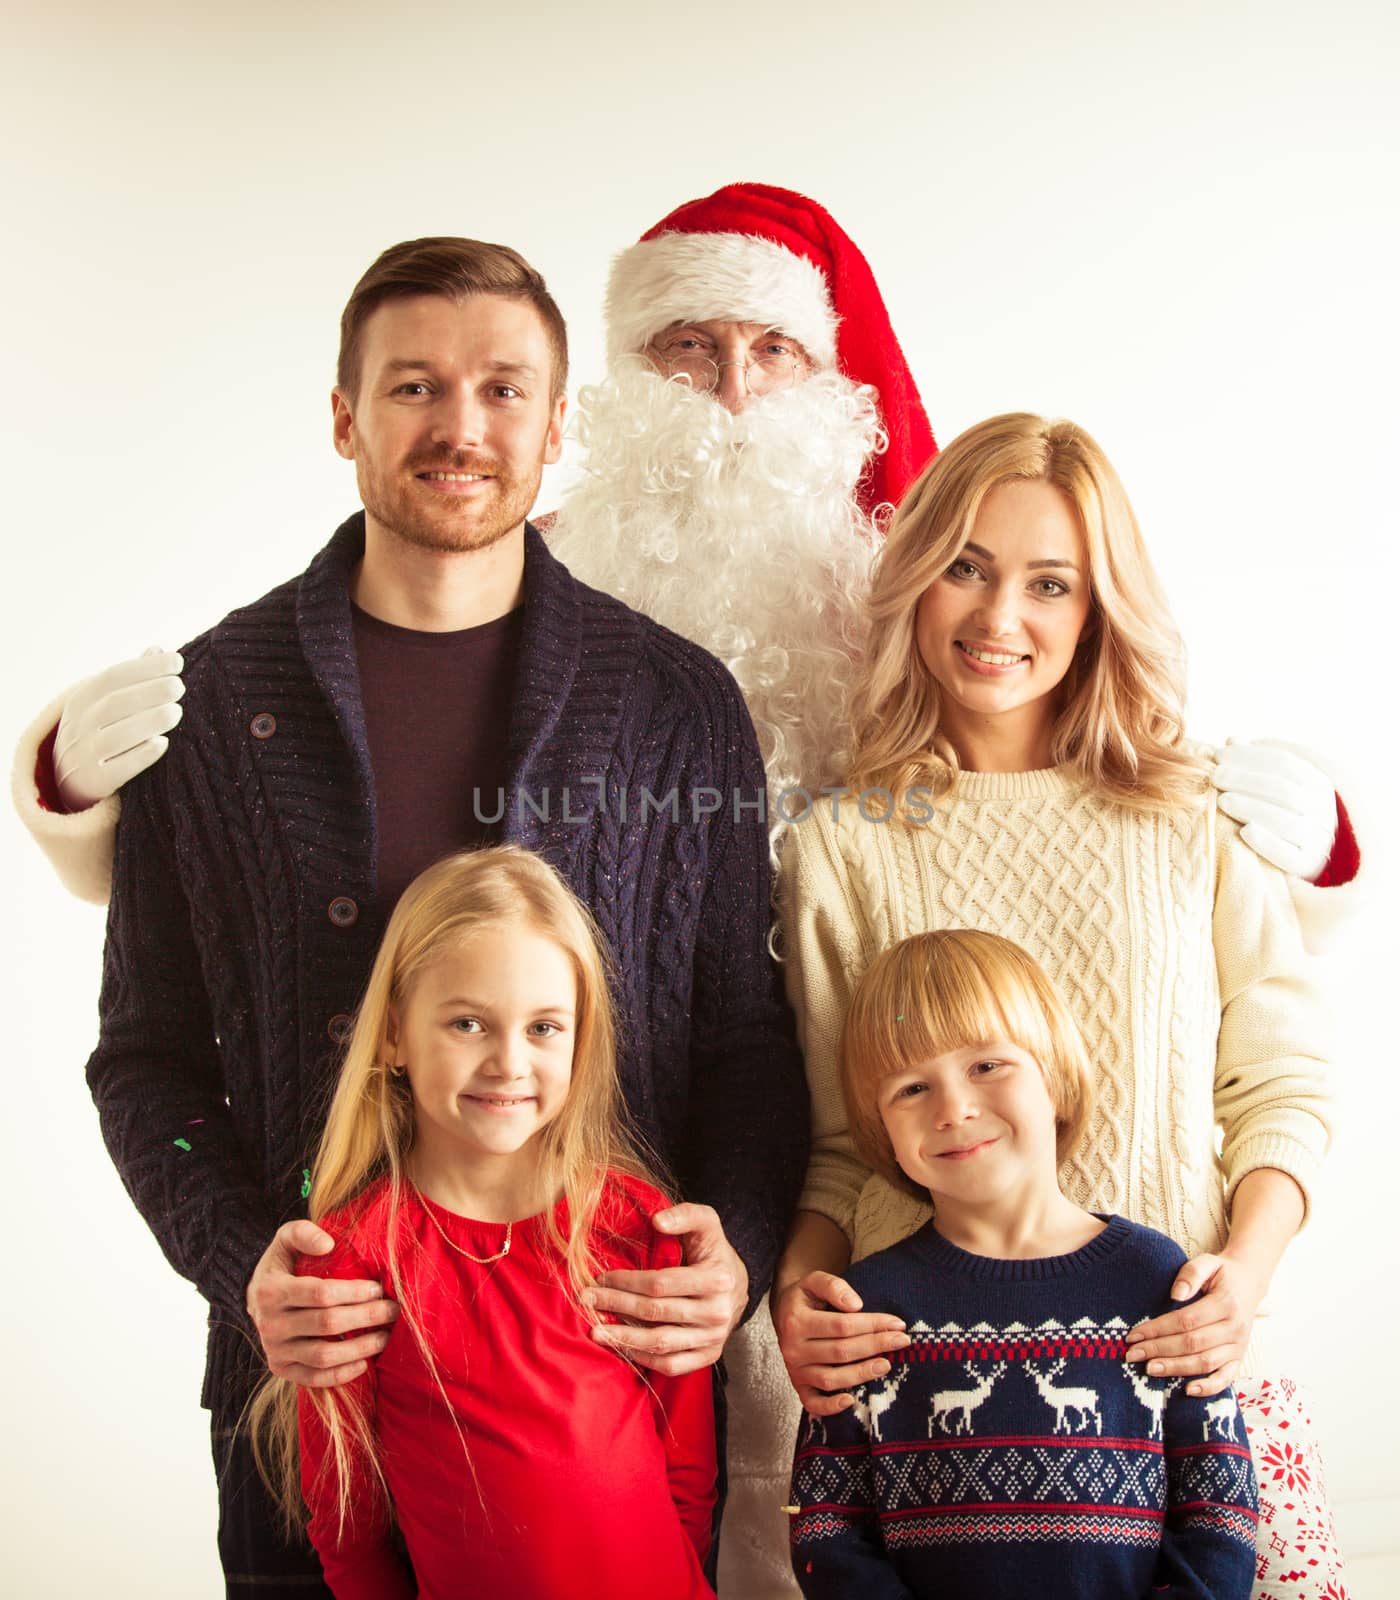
(182, 1144)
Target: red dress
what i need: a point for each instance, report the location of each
(552, 1469)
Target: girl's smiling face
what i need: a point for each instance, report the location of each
(486, 1034)
(998, 630)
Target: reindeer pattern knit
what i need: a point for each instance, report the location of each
(1012, 1450)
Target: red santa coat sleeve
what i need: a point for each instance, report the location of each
(1345, 861)
(359, 1558)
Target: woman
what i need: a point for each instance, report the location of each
(1020, 766)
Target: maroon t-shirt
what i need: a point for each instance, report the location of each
(437, 712)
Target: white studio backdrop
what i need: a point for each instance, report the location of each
(1174, 224)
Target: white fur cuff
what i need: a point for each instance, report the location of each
(79, 846)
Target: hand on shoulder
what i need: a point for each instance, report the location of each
(305, 1320)
(114, 725)
(1287, 807)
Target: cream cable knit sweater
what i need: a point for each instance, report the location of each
(1178, 949)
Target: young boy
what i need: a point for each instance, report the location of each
(1012, 1450)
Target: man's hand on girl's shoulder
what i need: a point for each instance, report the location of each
(304, 1321)
(676, 1319)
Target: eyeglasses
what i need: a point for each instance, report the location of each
(762, 373)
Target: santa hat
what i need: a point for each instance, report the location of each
(753, 253)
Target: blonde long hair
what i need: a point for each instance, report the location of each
(370, 1126)
(1120, 723)
(946, 990)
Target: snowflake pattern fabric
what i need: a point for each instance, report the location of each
(1296, 1557)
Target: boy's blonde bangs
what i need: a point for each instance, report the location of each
(946, 990)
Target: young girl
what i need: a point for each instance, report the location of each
(473, 1162)
(1015, 1450)
(1020, 767)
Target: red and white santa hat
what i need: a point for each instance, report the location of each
(754, 253)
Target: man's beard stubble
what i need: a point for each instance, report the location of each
(427, 526)
(740, 533)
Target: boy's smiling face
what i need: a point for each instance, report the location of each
(974, 1125)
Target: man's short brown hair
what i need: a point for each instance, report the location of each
(455, 269)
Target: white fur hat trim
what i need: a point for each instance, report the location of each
(705, 277)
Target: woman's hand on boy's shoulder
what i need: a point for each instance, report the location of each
(829, 1344)
(1206, 1340)
(676, 1319)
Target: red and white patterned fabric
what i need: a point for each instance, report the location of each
(1296, 1555)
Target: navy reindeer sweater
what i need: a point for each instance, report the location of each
(1012, 1450)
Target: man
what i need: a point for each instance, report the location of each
(755, 295)
(339, 735)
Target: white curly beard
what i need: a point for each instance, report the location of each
(741, 533)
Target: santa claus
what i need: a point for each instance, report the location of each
(756, 423)
(757, 420)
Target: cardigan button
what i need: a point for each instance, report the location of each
(339, 1027)
(343, 911)
(263, 726)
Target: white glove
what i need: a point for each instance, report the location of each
(114, 726)
(1288, 807)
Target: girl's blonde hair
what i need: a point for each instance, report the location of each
(944, 991)
(370, 1126)
(1120, 719)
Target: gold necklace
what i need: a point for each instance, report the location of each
(481, 1261)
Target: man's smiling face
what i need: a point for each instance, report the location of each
(453, 419)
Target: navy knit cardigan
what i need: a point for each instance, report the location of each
(243, 918)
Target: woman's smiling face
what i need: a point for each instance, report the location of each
(998, 630)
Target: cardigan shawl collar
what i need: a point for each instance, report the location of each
(551, 648)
